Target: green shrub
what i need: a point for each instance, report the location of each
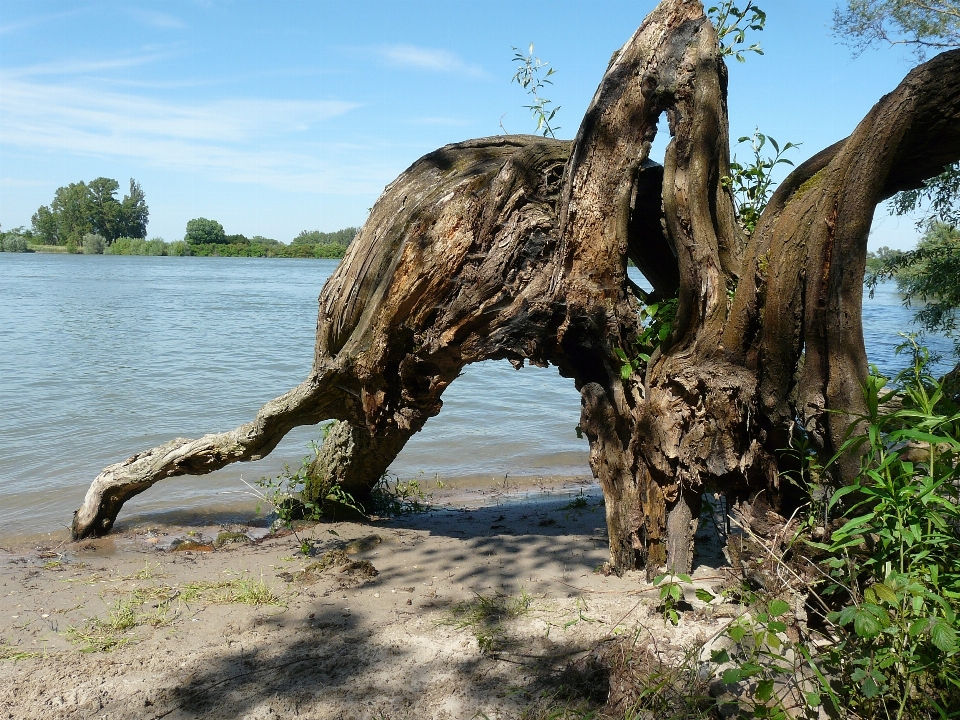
(894, 561)
(231, 250)
(178, 248)
(120, 246)
(338, 237)
(128, 246)
(156, 246)
(94, 244)
(329, 251)
(14, 242)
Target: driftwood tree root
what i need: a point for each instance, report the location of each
(448, 270)
(515, 248)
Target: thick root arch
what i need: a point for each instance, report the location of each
(515, 247)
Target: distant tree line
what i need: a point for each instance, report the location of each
(207, 238)
(88, 218)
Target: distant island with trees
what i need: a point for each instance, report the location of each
(88, 218)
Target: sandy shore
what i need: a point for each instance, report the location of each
(458, 612)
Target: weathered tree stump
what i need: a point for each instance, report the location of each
(515, 247)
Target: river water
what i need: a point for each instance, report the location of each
(104, 356)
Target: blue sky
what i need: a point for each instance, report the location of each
(276, 117)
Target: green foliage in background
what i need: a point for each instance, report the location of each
(94, 244)
(127, 246)
(178, 248)
(201, 231)
(337, 237)
(925, 25)
(15, 241)
(82, 209)
(308, 244)
(930, 275)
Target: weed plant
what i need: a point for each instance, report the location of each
(894, 564)
(393, 497)
(243, 590)
(285, 494)
(671, 595)
(158, 606)
(485, 614)
(15, 653)
(115, 630)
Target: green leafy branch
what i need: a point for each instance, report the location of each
(528, 77)
(752, 182)
(657, 323)
(732, 25)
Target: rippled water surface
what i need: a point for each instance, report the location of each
(104, 356)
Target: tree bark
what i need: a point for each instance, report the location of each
(515, 248)
(353, 459)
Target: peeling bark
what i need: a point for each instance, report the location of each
(515, 248)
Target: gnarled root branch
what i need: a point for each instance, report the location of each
(307, 404)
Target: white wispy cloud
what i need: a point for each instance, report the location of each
(239, 139)
(431, 59)
(218, 80)
(156, 19)
(17, 182)
(35, 20)
(68, 108)
(81, 67)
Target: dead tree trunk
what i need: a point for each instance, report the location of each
(449, 269)
(515, 248)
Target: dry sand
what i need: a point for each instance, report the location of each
(458, 612)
